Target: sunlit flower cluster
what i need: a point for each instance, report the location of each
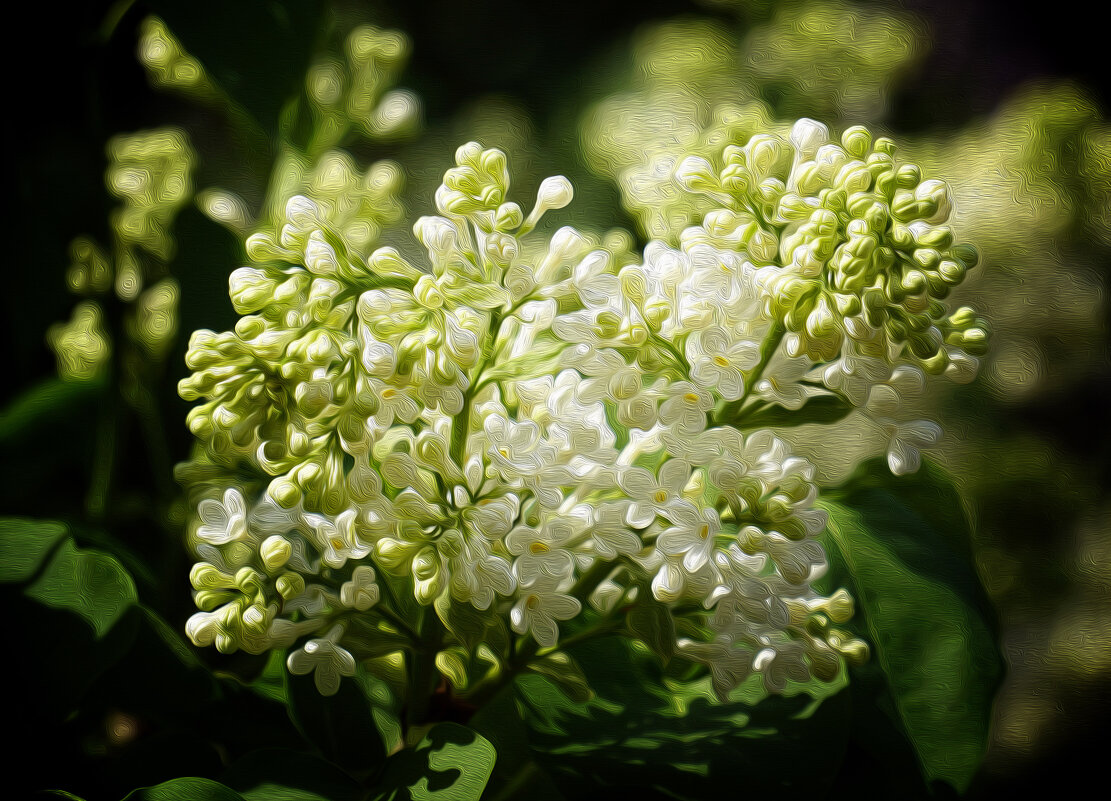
(854, 262)
(532, 437)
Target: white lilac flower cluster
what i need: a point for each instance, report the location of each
(853, 261)
(527, 437)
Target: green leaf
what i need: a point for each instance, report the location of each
(564, 672)
(516, 773)
(92, 584)
(451, 763)
(256, 52)
(633, 735)
(276, 774)
(904, 544)
(24, 544)
(342, 726)
(651, 622)
(46, 404)
(185, 790)
(821, 410)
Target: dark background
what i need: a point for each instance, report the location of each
(71, 87)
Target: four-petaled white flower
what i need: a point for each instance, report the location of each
(686, 408)
(325, 659)
(653, 495)
(223, 522)
(692, 535)
(539, 609)
(718, 361)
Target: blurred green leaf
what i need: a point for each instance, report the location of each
(516, 773)
(342, 726)
(564, 672)
(672, 739)
(822, 410)
(45, 444)
(185, 790)
(92, 584)
(651, 622)
(256, 52)
(451, 763)
(281, 775)
(45, 403)
(904, 542)
(24, 544)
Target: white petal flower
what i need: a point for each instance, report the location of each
(542, 552)
(337, 539)
(539, 610)
(360, 592)
(692, 535)
(718, 361)
(325, 659)
(686, 409)
(652, 495)
(223, 522)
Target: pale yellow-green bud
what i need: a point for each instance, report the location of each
(289, 585)
(275, 552)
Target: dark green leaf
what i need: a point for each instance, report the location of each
(92, 584)
(516, 773)
(651, 622)
(46, 404)
(451, 763)
(24, 544)
(822, 410)
(282, 775)
(564, 672)
(904, 544)
(185, 790)
(271, 682)
(342, 726)
(674, 740)
(257, 52)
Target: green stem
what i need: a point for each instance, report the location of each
(388, 614)
(730, 412)
(677, 356)
(110, 419)
(424, 677)
(529, 649)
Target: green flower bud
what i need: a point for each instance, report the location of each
(857, 141)
(275, 552)
(284, 492)
(289, 585)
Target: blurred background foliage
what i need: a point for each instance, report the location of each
(1009, 109)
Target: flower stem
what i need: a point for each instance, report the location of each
(729, 412)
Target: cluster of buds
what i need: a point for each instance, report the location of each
(356, 90)
(528, 436)
(151, 173)
(853, 260)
